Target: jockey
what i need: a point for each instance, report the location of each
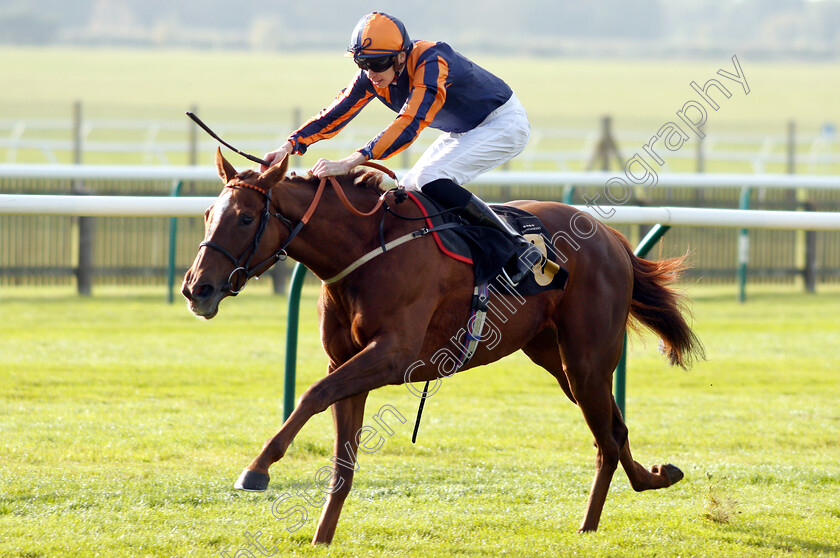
(427, 84)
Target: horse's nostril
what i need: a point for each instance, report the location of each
(204, 292)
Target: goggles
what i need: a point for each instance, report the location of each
(378, 64)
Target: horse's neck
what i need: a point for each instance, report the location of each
(333, 238)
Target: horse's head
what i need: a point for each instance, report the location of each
(241, 235)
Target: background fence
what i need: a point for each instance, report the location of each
(50, 249)
(810, 150)
(37, 250)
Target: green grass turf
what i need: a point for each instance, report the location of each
(124, 422)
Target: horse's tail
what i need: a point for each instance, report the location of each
(661, 308)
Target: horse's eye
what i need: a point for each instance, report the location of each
(246, 220)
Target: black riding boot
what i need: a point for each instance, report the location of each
(452, 195)
(479, 213)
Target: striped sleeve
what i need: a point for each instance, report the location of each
(428, 93)
(335, 117)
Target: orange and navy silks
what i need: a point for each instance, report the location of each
(438, 88)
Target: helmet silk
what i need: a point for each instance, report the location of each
(376, 35)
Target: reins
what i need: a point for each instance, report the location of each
(244, 268)
(248, 272)
(343, 197)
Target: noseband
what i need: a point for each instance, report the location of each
(241, 265)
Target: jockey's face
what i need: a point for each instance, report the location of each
(384, 78)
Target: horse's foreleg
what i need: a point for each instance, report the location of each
(348, 416)
(378, 364)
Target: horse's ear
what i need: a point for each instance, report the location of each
(226, 170)
(275, 173)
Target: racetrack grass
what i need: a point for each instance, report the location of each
(124, 422)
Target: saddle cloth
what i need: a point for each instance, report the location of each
(487, 249)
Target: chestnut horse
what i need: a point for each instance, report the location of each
(407, 303)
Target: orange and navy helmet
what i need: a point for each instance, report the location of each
(377, 35)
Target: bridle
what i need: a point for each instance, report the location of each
(242, 265)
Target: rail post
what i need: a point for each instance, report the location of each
(295, 287)
(743, 247)
(85, 269)
(809, 271)
(620, 379)
(173, 233)
(569, 194)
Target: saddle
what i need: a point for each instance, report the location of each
(488, 250)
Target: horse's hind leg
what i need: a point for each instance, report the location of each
(348, 416)
(659, 476)
(595, 402)
(592, 392)
(604, 418)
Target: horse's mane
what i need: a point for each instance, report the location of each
(359, 177)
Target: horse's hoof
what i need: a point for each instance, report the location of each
(252, 481)
(673, 473)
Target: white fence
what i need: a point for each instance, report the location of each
(159, 206)
(809, 251)
(157, 142)
(519, 178)
(19, 204)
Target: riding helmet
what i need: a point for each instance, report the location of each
(376, 35)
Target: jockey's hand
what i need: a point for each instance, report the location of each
(324, 167)
(277, 155)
